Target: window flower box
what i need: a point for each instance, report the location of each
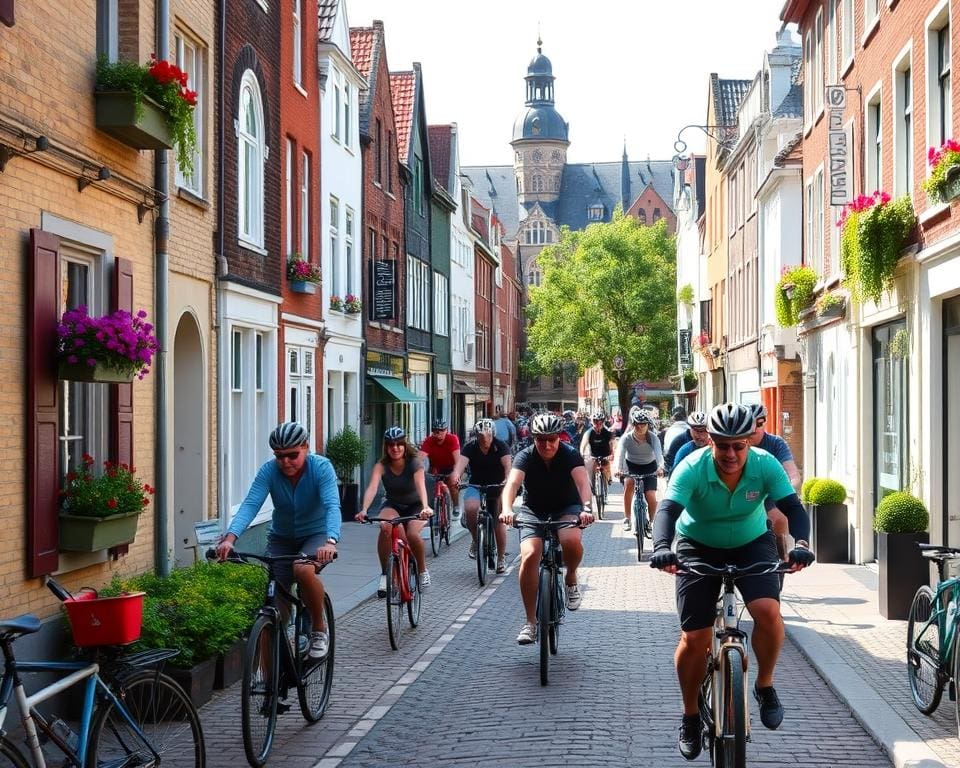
(336, 303)
(113, 348)
(302, 276)
(352, 304)
(943, 184)
(302, 286)
(117, 114)
(99, 373)
(79, 533)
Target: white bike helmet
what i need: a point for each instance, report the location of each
(731, 420)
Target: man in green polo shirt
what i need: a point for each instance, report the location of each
(715, 502)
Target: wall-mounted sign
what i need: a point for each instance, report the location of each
(383, 288)
(686, 359)
(838, 146)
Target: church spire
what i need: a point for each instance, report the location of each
(625, 179)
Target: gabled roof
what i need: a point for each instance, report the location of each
(727, 95)
(366, 46)
(441, 138)
(403, 87)
(792, 104)
(326, 16)
(361, 49)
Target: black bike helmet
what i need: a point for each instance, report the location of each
(394, 433)
(439, 423)
(697, 419)
(290, 434)
(731, 420)
(598, 416)
(759, 411)
(546, 424)
(484, 425)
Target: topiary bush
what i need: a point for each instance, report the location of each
(901, 512)
(346, 451)
(825, 491)
(805, 488)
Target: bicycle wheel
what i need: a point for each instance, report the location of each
(556, 617)
(923, 652)
(316, 675)
(394, 601)
(413, 579)
(261, 671)
(481, 550)
(10, 756)
(434, 525)
(601, 495)
(165, 714)
(443, 515)
(544, 612)
(638, 514)
(731, 751)
(491, 546)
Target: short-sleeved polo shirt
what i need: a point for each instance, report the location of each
(715, 516)
(549, 488)
(777, 446)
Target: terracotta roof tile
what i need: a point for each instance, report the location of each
(403, 90)
(326, 15)
(361, 49)
(439, 137)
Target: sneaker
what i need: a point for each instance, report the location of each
(689, 739)
(528, 634)
(771, 710)
(573, 597)
(501, 564)
(647, 529)
(382, 586)
(319, 644)
(625, 523)
(472, 554)
(424, 580)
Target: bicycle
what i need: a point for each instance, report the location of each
(440, 520)
(550, 595)
(132, 715)
(403, 580)
(486, 532)
(599, 486)
(640, 511)
(276, 659)
(724, 710)
(933, 639)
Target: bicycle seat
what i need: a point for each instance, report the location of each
(21, 625)
(938, 552)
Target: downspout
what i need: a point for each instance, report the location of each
(221, 271)
(161, 277)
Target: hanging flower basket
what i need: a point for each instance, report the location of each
(793, 294)
(113, 348)
(943, 184)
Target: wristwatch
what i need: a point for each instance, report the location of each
(332, 540)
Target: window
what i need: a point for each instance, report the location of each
(538, 183)
(418, 410)
(336, 278)
(595, 212)
(297, 44)
(874, 140)
(656, 215)
(832, 41)
(847, 32)
(441, 301)
(347, 115)
(642, 216)
(250, 158)
(817, 208)
(378, 152)
(108, 29)
(305, 206)
(390, 155)
(301, 386)
(903, 128)
(288, 184)
(536, 233)
(818, 65)
(417, 185)
(871, 12)
(348, 251)
(236, 377)
(258, 362)
(190, 60)
(939, 82)
(337, 109)
(808, 78)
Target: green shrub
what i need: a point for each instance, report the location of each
(345, 451)
(787, 310)
(901, 512)
(825, 491)
(805, 488)
(685, 294)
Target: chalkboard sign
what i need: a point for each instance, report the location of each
(685, 358)
(384, 281)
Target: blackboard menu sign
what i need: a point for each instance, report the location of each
(384, 289)
(685, 356)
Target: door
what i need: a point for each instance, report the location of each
(890, 413)
(951, 420)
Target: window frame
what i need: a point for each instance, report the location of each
(195, 181)
(305, 217)
(297, 52)
(333, 228)
(904, 128)
(848, 34)
(288, 186)
(873, 138)
(939, 99)
(253, 234)
(349, 227)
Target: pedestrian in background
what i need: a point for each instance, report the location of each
(505, 431)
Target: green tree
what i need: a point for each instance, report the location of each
(608, 290)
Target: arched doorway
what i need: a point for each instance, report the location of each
(189, 420)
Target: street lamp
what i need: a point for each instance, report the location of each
(724, 135)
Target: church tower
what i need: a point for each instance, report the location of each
(539, 137)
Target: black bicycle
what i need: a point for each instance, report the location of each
(277, 659)
(640, 511)
(486, 532)
(599, 485)
(550, 597)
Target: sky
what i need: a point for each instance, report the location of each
(626, 70)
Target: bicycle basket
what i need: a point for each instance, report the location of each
(105, 620)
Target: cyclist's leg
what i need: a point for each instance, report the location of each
(606, 469)
(452, 488)
(500, 530)
(311, 587)
(415, 542)
(384, 540)
(588, 462)
(531, 547)
(471, 506)
(571, 543)
(760, 594)
(628, 483)
(278, 546)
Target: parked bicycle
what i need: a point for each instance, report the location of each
(599, 486)
(440, 520)
(640, 513)
(277, 658)
(933, 639)
(724, 710)
(486, 532)
(403, 581)
(133, 714)
(550, 597)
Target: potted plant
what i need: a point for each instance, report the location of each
(113, 348)
(874, 230)
(830, 304)
(301, 274)
(943, 183)
(336, 303)
(901, 522)
(793, 294)
(101, 511)
(828, 514)
(352, 304)
(147, 106)
(346, 452)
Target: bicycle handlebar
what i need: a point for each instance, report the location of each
(699, 568)
(392, 520)
(483, 488)
(242, 557)
(933, 551)
(524, 520)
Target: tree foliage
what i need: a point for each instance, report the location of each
(608, 290)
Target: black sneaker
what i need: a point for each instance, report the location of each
(771, 710)
(689, 739)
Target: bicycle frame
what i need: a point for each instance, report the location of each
(946, 590)
(399, 549)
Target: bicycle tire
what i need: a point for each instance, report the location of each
(259, 690)
(491, 545)
(443, 519)
(924, 655)
(601, 496)
(163, 712)
(956, 671)
(434, 525)
(448, 511)
(316, 675)
(10, 756)
(638, 514)
(394, 602)
(556, 617)
(544, 614)
(731, 750)
(413, 606)
(481, 550)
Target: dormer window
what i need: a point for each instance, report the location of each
(595, 212)
(656, 215)
(642, 216)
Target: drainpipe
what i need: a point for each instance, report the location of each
(220, 271)
(161, 278)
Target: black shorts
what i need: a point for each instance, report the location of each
(697, 595)
(571, 510)
(650, 470)
(402, 510)
(281, 546)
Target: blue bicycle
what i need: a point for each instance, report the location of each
(639, 512)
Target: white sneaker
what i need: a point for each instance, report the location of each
(528, 634)
(382, 586)
(319, 644)
(424, 580)
(501, 564)
(625, 523)
(472, 554)
(573, 597)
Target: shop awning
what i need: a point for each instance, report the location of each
(390, 390)
(460, 387)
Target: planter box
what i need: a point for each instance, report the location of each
(829, 536)
(99, 373)
(834, 310)
(91, 534)
(902, 571)
(229, 666)
(302, 286)
(116, 115)
(951, 188)
(196, 681)
(349, 501)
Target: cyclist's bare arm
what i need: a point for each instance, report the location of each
(579, 475)
(509, 495)
(790, 467)
(420, 483)
(458, 468)
(371, 491)
(585, 444)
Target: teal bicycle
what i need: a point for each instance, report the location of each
(933, 639)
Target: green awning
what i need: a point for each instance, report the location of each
(390, 390)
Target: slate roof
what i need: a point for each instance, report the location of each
(792, 104)
(439, 137)
(727, 95)
(403, 87)
(326, 15)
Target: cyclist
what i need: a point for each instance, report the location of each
(503, 429)
(638, 452)
(489, 461)
(443, 450)
(677, 428)
(570, 427)
(700, 438)
(720, 493)
(306, 518)
(405, 493)
(597, 445)
(778, 447)
(556, 488)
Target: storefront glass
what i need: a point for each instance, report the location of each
(890, 406)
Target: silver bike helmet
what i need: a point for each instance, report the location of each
(484, 425)
(640, 416)
(731, 420)
(290, 434)
(759, 411)
(697, 419)
(546, 424)
(394, 433)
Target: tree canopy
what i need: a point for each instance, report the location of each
(607, 290)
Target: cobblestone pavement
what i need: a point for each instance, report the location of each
(461, 692)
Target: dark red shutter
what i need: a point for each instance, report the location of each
(43, 430)
(6, 12)
(121, 395)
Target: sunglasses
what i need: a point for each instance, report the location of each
(547, 438)
(287, 456)
(737, 447)
(394, 444)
